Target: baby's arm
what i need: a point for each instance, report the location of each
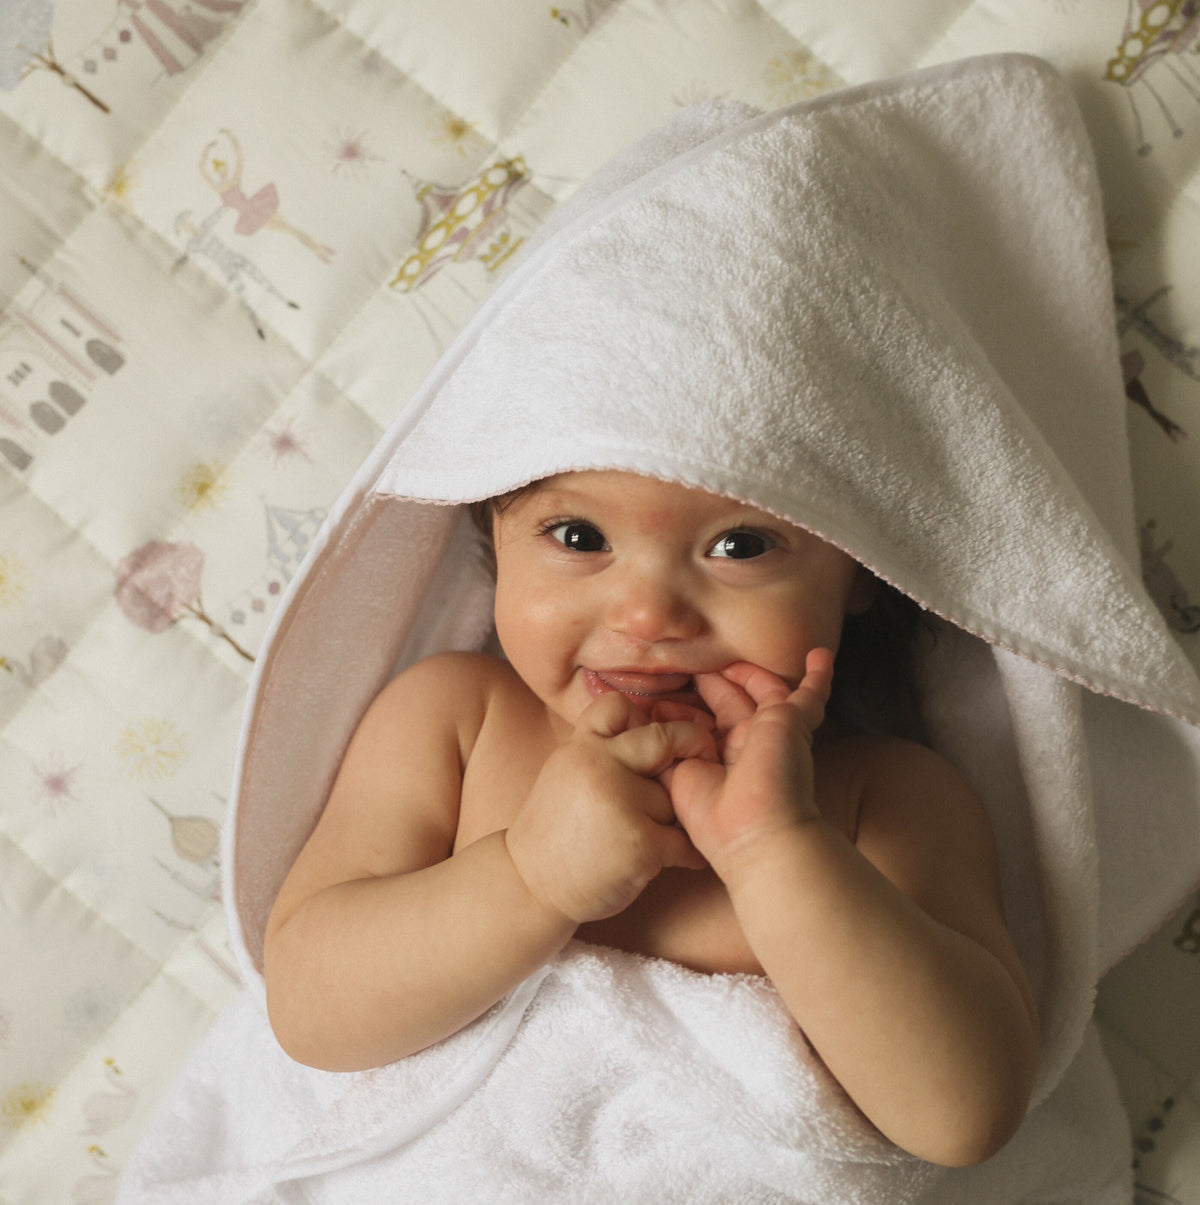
(381, 941)
(891, 952)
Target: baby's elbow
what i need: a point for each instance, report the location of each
(313, 1029)
(979, 1129)
(307, 1040)
(295, 1038)
(965, 1145)
(296, 1012)
(983, 1115)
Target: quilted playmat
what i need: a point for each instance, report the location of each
(235, 235)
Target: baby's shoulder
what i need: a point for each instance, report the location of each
(456, 671)
(868, 755)
(895, 783)
(462, 690)
(456, 688)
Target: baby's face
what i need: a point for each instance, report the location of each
(612, 581)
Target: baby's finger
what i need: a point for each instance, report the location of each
(654, 747)
(728, 701)
(678, 850)
(763, 687)
(812, 694)
(612, 713)
(668, 710)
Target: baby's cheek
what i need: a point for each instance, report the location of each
(787, 662)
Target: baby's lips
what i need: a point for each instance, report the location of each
(648, 691)
(649, 684)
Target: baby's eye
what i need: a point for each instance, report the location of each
(741, 545)
(578, 537)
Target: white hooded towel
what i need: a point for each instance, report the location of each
(884, 315)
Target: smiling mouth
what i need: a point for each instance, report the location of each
(644, 685)
(644, 690)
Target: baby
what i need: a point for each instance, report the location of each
(647, 768)
(759, 393)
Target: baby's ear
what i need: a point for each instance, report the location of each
(862, 591)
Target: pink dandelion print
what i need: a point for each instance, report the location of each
(286, 444)
(349, 155)
(56, 784)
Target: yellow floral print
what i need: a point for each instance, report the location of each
(26, 1104)
(797, 75)
(451, 130)
(202, 486)
(13, 579)
(151, 749)
(121, 187)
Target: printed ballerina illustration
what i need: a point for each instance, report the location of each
(199, 242)
(1158, 38)
(221, 166)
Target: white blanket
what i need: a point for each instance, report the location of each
(611, 1078)
(885, 315)
(607, 1077)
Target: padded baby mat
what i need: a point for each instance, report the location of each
(236, 234)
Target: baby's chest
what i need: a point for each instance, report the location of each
(683, 915)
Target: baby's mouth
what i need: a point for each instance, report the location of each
(645, 689)
(648, 685)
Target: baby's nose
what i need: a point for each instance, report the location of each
(653, 606)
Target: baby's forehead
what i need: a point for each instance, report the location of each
(609, 494)
(626, 488)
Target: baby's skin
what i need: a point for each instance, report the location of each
(648, 768)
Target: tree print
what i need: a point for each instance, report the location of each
(159, 583)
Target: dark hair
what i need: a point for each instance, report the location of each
(482, 514)
(872, 680)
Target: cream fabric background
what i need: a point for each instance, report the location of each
(236, 234)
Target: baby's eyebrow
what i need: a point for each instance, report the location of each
(559, 498)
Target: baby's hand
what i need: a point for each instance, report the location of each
(597, 826)
(764, 781)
